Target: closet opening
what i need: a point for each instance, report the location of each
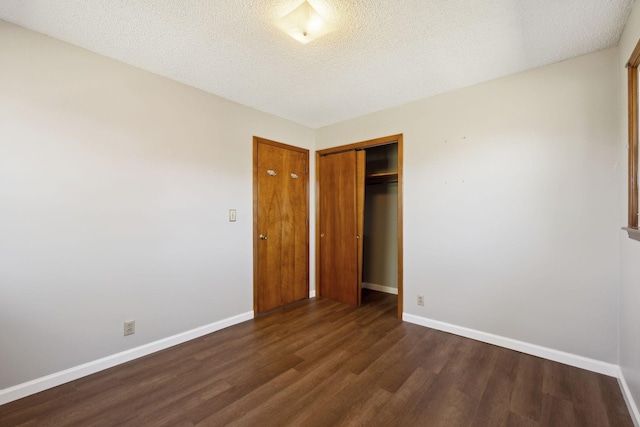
(380, 239)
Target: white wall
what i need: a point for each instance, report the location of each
(114, 190)
(629, 249)
(510, 204)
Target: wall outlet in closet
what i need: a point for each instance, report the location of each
(420, 300)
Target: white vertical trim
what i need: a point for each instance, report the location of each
(43, 383)
(628, 398)
(521, 346)
(312, 293)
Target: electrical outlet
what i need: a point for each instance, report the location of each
(420, 300)
(232, 215)
(129, 327)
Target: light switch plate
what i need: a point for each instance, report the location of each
(232, 215)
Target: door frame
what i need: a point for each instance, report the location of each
(258, 140)
(386, 140)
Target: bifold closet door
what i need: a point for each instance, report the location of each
(341, 213)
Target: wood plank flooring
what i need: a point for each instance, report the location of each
(321, 363)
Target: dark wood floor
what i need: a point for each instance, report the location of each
(320, 363)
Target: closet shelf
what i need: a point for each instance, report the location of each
(378, 177)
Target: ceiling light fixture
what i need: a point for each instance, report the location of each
(305, 24)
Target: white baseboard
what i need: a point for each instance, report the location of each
(40, 384)
(628, 398)
(521, 346)
(380, 288)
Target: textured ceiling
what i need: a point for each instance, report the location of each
(383, 54)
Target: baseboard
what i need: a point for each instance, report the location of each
(628, 398)
(40, 384)
(600, 367)
(380, 288)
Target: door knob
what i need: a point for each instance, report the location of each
(263, 237)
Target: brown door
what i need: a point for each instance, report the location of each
(361, 164)
(281, 245)
(341, 199)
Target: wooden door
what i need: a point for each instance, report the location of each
(341, 213)
(281, 242)
(361, 165)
